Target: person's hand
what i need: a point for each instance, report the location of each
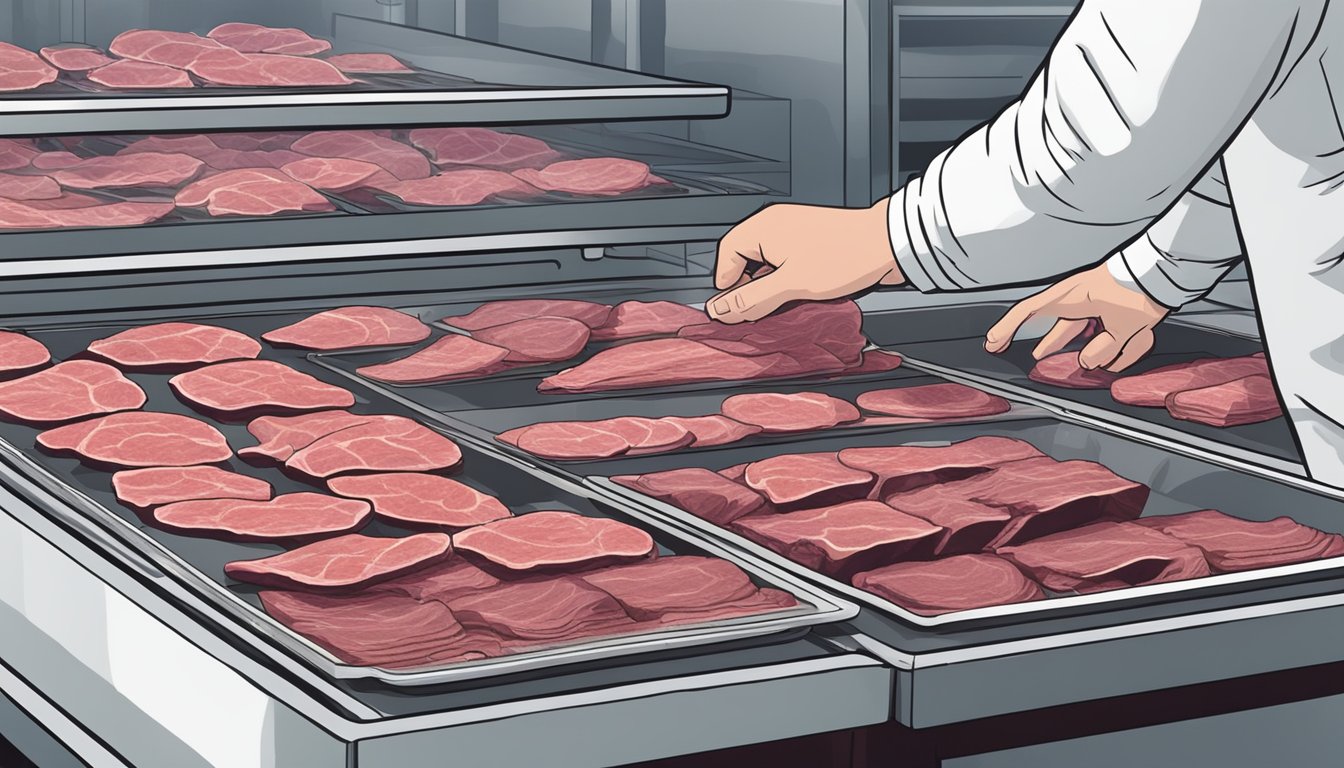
(1127, 318)
(813, 253)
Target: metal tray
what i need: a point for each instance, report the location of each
(198, 563)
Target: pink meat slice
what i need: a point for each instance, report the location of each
(248, 386)
(255, 38)
(1232, 544)
(465, 187)
(934, 401)
(332, 174)
(194, 144)
(396, 158)
(152, 486)
(23, 70)
(256, 142)
(174, 346)
(383, 444)
(568, 440)
(662, 363)
(703, 493)
(968, 526)
(494, 313)
(236, 159)
(50, 161)
(145, 169)
(638, 319)
(137, 439)
(650, 435)
(552, 609)
(875, 361)
(452, 357)
(905, 467)
(1152, 389)
(1064, 370)
(252, 192)
(1105, 556)
(16, 153)
(807, 479)
(843, 539)
(290, 517)
(140, 74)
(345, 562)
(350, 328)
(174, 49)
(590, 176)
(554, 540)
(538, 339)
(709, 431)
(833, 327)
(66, 391)
(72, 210)
(279, 437)
(14, 186)
(420, 500)
(368, 63)
(443, 582)
(961, 583)
(686, 588)
(1244, 401)
(75, 58)
(21, 354)
(259, 70)
(798, 412)
(483, 148)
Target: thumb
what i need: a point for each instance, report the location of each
(752, 301)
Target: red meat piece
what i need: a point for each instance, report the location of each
(483, 148)
(827, 336)
(552, 609)
(568, 440)
(418, 500)
(555, 540)
(174, 49)
(16, 187)
(591, 176)
(16, 153)
(1154, 387)
(279, 437)
(256, 386)
(350, 328)
(194, 144)
(146, 488)
(73, 210)
(637, 319)
(137, 439)
(140, 74)
(229, 67)
(713, 430)
(843, 539)
(465, 187)
(1107, 555)
(443, 582)
(396, 158)
(383, 444)
(331, 174)
(20, 354)
(1064, 370)
(23, 70)
(961, 583)
(145, 169)
(255, 38)
(703, 493)
(290, 517)
(67, 391)
(875, 361)
(174, 347)
(494, 313)
(1232, 544)
(664, 362)
(368, 63)
(904, 467)
(675, 589)
(809, 479)
(1243, 401)
(68, 57)
(252, 192)
(238, 159)
(800, 412)
(346, 562)
(450, 358)
(538, 339)
(934, 401)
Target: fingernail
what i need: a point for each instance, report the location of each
(720, 306)
(992, 338)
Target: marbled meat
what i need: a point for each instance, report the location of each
(350, 328)
(1233, 544)
(678, 589)
(606, 176)
(72, 210)
(639, 319)
(1243, 401)
(286, 518)
(153, 486)
(547, 540)
(255, 38)
(165, 347)
(369, 64)
(961, 583)
(451, 358)
(127, 74)
(798, 412)
(251, 192)
(343, 563)
(144, 169)
(383, 444)
(550, 609)
(947, 400)
(1151, 389)
(14, 186)
(703, 493)
(247, 388)
(20, 354)
(399, 160)
(843, 539)
(715, 429)
(471, 186)
(792, 481)
(331, 174)
(444, 582)
(537, 339)
(69, 57)
(258, 70)
(664, 363)
(23, 70)
(1107, 555)
(906, 467)
(134, 439)
(1064, 370)
(66, 391)
(493, 313)
(157, 46)
(483, 148)
(577, 440)
(279, 437)
(420, 500)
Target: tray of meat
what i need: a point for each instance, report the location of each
(955, 524)
(334, 529)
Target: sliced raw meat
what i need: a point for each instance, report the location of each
(493, 313)
(1244, 401)
(959, 583)
(843, 539)
(254, 387)
(703, 493)
(16, 153)
(807, 479)
(443, 582)
(174, 347)
(905, 467)
(1232, 544)
(252, 192)
(70, 390)
(1152, 389)
(875, 361)
(418, 500)
(713, 430)
(279, 437)
(394, 157)
(73, 210)
(255, 38)
(1064, 370)
(256, 142)
(638, 319)
(146, 488)
(558, 608)
(555, 540)
(591, 176)
(737, 473)
(483, 148)
(384, 444)
(192, 144)
(934, 401)
(452, 357)
(664, 363)
(175, 49)
(465, 187)
(831, 331)
(1107, 555)
(140, 74)
(968, 526)
(75, 58)
(650, 435)
(237, 159)
(331, 174)
(368, 64)
(350, 328)
(799, 412)
(538, 339)
(290, 517)
(137, 439)
(144, 169)
(23, 70)
(20, 355)
(678, 588)
(50, 161)
(16, 187)
(598, 439)
(345, 562)
(229, 67)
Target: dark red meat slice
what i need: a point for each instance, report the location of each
(810, 479)
(934, 401)
(800, 412)
(875, 361)
(383, 444)
(483, 147)
(396, 158)
(443, 582)
(350, 328)
(905, 467)
(538, 339)
(679, 588)
(146, 488)
(968, 526)
(343, 563)
(290, 517)
(1232, 544)
(829, 331)
(637, 319)
(252, 192)
(1064, 370)
(554, 540)
(140, 74)
(143, 169)
(66, 391)
(713, 430)
(1244, 401)
(229, 67)
(843, 539)
(1107, 555)
(1152, 388)
(254, 387)
(464, 187)
(23, 70)
(960, 583)
(452, 357)
(418, 500)
(552, 609)
(174, 347)
(591, 176)
(175, 49)
(368, 63)
(20, 354)
(16, 187)
(703, 493)
(73, 210)
(737, 473)
(137, 439)
(493, 313)
(331, 174)
(255, 38)
(664, 362)
(279, 437)
(75, 58)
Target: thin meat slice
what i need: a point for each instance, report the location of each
(843, 539)
(709, 431)
(368, 63)
(73, 210)
(686, 588)
(157, 46)
(450, 358)
(23, 70)
(827, 331)
(165, 347)
(568, 440)
(552, 609)
(875, 361)
(137, 439)
(350, 328)
(538, 339)
(465, 187)
(968, 526)
(255, 38)
(194, 144)
(153, 486)
(331, 174)
(905, 467)
(256, 141)
(16, 153)
(22, 187)
(705, 494)
(639, 319)
(126, 74)
(1105, 556)
(483, 148)
(1244, 401)
(345, 562)
(961, 583)
(145, 169)
(591, 176)
(236, 159)
(383, 444)
(934, 401)
(419, 500)
(494, 313)
(50, 161)
(443, 582)
(69, 57)
(1152, 389)
(664, 363)
(67, 391)
(396, 158)
(1231, 544)
(548, 540)
(252, 192)
(20, 354)
(650, 435)
(237, 389)
(290, 517)
(229, 67)
(1064, 370)
(799, 412)
(809, 479)
(279, 437)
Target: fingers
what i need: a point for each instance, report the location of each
(753, 300)
(1102, 350)
(1059, 337)
(1139, 344)
(1001, 334)
(736, 251)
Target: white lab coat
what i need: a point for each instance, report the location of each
(1177, 135)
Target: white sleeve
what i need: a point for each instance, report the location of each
(1132, 104)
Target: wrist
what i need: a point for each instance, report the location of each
(877, 236)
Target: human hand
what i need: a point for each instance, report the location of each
(815, 253)
(1127, 318)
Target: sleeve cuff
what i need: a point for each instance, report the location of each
(902, 224)
(1141, 263)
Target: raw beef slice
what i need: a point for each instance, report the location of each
(677, 589)
(843, 539)
(165, 347)
(553, 609)
(175, 49)
(664, 363)
(146, 488)
(384, 444)
(20, 354)
(14, 186)
(128, 74)
(810, 479)
(71, 210)
(638, 319)
(493, 313)
(251, 192)
(554, 541)
(331, 174)
(368, 63)
(713, 430)
(280, 437)
(418, 500)
(138, 439)
(237, 159)
(961, 583)
(16, 153)
(254, 387)
(1244, 401)
(591, 176)
(290, 517)
(144, 169)
(538, 339)
(450, 358)
(703, 493)
(350, 328)
(259, 70)
(397, 159)
(933, 401)
(800, 412)
(344, 563)
(23, 70)
(576, 440)
(193, 144)
(75, 58)
(255, 38)
(483, 148)
(66, 391)
(1107, 555)
(465, 187)
(905, 467)
(1232, 544)
(1152, 389)
(1064, 370)
(444, 582)
(824, 336)
(968, 526)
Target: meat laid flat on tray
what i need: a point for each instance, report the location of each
(639, 319)
(346, 562)
(262, 70)
(23, 70)
(1244, 401)
(1152, 389)
(946, 400)
(126, 74)
(1233, 544)
(793, 481)
(279, 437)
(686, 588)
(843, 539)
(713, 430)
(175, 49)
(369, 63)
(1105, 556)
(286, 518)
(552, 540)
(419, 500)
(252, 192)
(72, 210)
(968, 526)
(171, 347)
(15, 186)
(906, 467)
(383, 444)
(17, 153)
(493, 313)
(623, 435)
(236, 159)
(66, 391)
(330, 174)
(548, 609)
(701, 492)
(153, 486)
(145, 169)
(959, 583)
(444, 582)
(255, 38)
(248, 388)
(70, 57)
(450, 358)
(350, 328)
(399, 160)
(538, 339)
(798, 412)
(591, 176)
(483, 148)
(1064, 370)
(135, 439)
(471, 186)
(20, 354)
